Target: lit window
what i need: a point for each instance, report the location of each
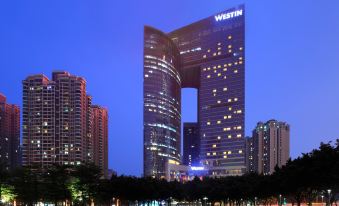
(229, 37)
(235, 99)
(225, 77)
(214, 90)
(229, 100)
(229, 136)
(224, 89)
(238, 135)
(218, 101)
(230, 108)
(214, 153)
(229, 152)
(240, 151)
(219, 53)
(219, 74)
(214, 54)
(240, 48)
(209, 50)
(235, 71)
(219, 137)
(218, 122)
(214, 146)
(204, 56)
(239, 111)
(146, 75)
(229, 46)
(230, 51)
(208, 154)
(208, 123)
(219, 44)
(208, 76)
(225, 156)
(219, 48)
(219, 66)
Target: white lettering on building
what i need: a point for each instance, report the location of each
(229, 15)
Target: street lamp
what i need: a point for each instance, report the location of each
(329, 196)
(205, 200)
(255, 201)
(322, 198)
(279, 199)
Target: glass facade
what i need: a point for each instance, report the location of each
(212, 57)
(162, 103)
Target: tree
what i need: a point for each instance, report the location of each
(85, 182)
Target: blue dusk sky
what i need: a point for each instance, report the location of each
(292, 61)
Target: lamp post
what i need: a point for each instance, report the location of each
(255, 201)
(205, 200)
(322, 199)
(329, 196)
(279, 200)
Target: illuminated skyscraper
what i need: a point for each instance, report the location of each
(54, 120)
(100, 137)
(9, 133)
(208, 55)
(270, 147)
(191, 144)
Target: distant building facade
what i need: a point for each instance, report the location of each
(191, 144)
(100, 137)
(269, 147)
(9, 133)
(54, 120)
(59, 123)
(208, 55)
(249, 154)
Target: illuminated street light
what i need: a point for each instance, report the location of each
(322, 198)
(329, 196)
(205, 200)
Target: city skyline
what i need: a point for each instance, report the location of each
(301, 95)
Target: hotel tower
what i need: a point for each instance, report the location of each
(208, 55)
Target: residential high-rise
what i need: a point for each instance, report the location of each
(270, 146)
(100, 138)
(191, 144)
(249, 153)
(54, 120)
(9, 133)
(208, 55)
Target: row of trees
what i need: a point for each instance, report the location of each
(304, 179)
